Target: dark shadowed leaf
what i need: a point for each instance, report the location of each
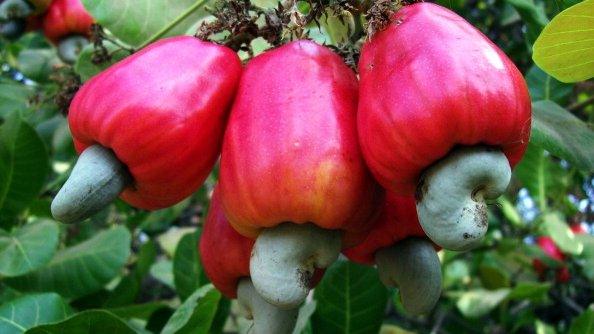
(350, 299)
(188, 274)
(196, 314)
(23, 166)
(86, 322)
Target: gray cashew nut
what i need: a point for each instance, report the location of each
(412, 265)
(451, 196)
(285, 257)
(96, 180)
(268, 319)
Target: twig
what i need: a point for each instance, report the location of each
(580, 105)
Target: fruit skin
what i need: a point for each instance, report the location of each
(398, 221)
(431, 82)
(163, 112)
(290, 152)
(225, 254)
(65, 18)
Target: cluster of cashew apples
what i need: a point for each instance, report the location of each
(65, 23)
(388, 167)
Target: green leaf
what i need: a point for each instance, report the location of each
(188, 274)
(85, 67)
(37, 64)
(162, 270)
(588, 255)
(493, 277)
(564, 135)
(561, 234)
(544, 87)
(540, 175)
(534, 16)
(476, 303)
(82, 269)
(28, 247)
(530, 290)
(135, 21)
(196, 314)
(543, 328)
(350, 299)
(29, 311)
(583, 323)
(564, 49)
(23, 167)
(138, 311)
(129, 287)
(13, 97)
(86, 322)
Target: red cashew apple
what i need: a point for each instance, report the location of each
(225, 256)
(443, 114)
(68, 25)
(404, 256)
(550, 248)
(149, 127)
(292, 174)
(17, 16)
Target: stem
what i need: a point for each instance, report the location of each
(174, 23)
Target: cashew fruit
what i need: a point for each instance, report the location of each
(405, 258)
(160, 114)
(292, 174)
(431, 87)
(550, 248)
(67, 24)
(225, 256)
(64, 18)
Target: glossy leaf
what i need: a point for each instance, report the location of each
(476, 303)
(564, 49)
(82, 269)
(28, 247)
(86, 322)
(134, 21)
(29, 311)
(129, 287)
(196, 314)
(564, 135)
(23, 167)
(188, 274)
(350, 299)
(544, 87)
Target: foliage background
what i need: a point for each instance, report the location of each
(127, 270)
